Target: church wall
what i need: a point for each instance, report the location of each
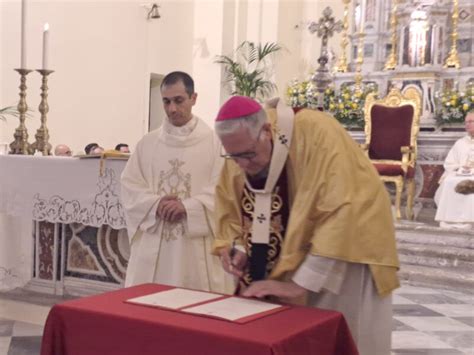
(169, 47)
(303, 48)
(209, 37)
(289, 63)
(104, 52)
(284, 22)
(97, 51)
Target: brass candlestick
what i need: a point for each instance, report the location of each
(453, 59)
(342, 66)
(42, 135)
(20, 144)
(359, 62)
(391, 62)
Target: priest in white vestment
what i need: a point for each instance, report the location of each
(168, 197)
(460, 160)
(462, 152)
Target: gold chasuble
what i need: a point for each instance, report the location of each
(338, 206)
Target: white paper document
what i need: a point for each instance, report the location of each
(232, 308)
(175, 298)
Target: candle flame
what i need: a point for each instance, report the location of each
(46, 27)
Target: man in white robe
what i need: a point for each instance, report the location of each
(168, 197)
(460, 156)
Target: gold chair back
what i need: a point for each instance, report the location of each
(391, 139)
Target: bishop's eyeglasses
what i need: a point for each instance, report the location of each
(248, 155)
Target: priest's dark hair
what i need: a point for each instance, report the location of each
(177, 76)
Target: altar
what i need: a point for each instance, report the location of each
(420, 46)
(62, 226)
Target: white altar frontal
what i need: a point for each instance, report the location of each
(62, 226)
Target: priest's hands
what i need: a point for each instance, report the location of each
(171, 209)
(285, 291)
(233, 264)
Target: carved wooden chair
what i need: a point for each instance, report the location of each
(391, 130)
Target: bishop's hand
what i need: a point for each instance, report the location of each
(233, 262)
(285, 291)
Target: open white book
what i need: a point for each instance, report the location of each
(175, 298)
(235, 309)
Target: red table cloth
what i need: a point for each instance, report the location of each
(105, 324)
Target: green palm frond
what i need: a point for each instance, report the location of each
(267, 49)
(248, 73)
(8, 111)
(12, 111)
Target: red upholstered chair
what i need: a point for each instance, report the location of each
(391, 130)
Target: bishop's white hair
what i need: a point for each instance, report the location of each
(253, 122)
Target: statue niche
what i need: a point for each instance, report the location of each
(417, 46)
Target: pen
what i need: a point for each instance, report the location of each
(232, 251)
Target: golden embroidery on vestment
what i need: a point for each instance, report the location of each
(248, 202)
(276, 228)
(177, 183)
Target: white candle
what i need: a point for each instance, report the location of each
(363, 10)
(23, 34)
(45, 45)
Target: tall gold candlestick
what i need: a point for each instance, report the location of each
(453, 59)
(342, 66)
(360, 55)
(391, 62)
(42, 134)
(20, 144)
(359, 62)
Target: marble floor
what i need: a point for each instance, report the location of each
(434, 322)
(426, 321)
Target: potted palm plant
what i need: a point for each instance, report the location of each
(248, 71)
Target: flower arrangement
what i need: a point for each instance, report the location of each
(304, 94)
(453, 105)
(347, 106)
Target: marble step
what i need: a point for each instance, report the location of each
(436, 256)
(436, 236)
(426, 276)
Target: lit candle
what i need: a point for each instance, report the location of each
(23, 34)
(363, 5)
(45, 45)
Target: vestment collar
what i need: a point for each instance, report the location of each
(184, 130)
(282, 131)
